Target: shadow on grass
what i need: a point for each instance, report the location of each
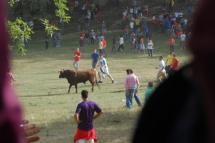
(111, 127)
(44, 95)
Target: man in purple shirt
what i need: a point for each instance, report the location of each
(84, 117)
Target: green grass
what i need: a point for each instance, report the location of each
(46, 102)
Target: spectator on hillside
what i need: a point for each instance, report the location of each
(104, 28)
(131, 24)
(171, 43)
(167, 25)
(126, 33)
(125, 14)
(114, 44)
(92, 36)
(81, 39)
(183, 40)
(84, 117)
(121, 44)
(141, 45)
(150, 48)
(102, 46)
(46, 42)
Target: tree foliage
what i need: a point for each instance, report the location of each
(20, 33)
(62, 10)
(49, 28)
(41, 10)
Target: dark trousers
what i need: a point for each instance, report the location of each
(121, 47)
(150, 52)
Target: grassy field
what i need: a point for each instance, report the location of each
(46, 102)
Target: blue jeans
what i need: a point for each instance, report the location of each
(130, 93)
(137, 98)
(129, 97)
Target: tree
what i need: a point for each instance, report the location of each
(42, 10)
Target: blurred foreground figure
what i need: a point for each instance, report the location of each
(182, 109)
(12, 127)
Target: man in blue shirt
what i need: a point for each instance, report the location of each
(95, 58)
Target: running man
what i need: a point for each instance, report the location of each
(103, 69)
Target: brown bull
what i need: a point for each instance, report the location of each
(74, 78)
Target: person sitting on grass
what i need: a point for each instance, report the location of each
(84, 117)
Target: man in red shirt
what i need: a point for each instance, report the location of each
(104, 45)
(174, 64)
(77, 57)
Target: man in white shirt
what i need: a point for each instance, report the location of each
(131, 25)
(161, 75)
(121, 44)
(103, 69)
(150, 48)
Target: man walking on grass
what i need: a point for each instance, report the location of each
(131, 87)
(84, 117)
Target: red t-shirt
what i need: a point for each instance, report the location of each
(104, 44)
(77, 56)
(174, 65)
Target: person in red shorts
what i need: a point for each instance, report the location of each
(84, 117)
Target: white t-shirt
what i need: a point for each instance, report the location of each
(103, 66)
(131, 24)
(150, 45)
(162, 66)
(131, 10)
(121, 40)
(183, 37)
